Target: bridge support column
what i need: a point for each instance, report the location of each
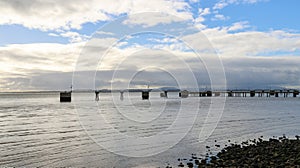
(65, 96)
(166, 94)
(272, 93)
(122, 96)
(252, 93)
(209, 93)
(184, 94)
(97, 95)
(295, 93)
(145, 95)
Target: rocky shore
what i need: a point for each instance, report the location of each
(274, 152)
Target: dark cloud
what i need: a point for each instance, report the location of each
(243, 73)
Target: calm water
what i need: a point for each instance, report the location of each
(38, 130)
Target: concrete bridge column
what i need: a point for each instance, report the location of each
(209, 93)
(122, 96)
(252, 93)
(145, 95)
(295, 93)
(166, 94)
(66, 96)
(97, 95)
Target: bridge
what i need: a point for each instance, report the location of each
(247, 93)
(145, 93)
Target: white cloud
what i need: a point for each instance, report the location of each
(74, 36)
(50, 66)
(26, 58)
(238, 26)
(71, 14)
(251, 43)
(203, 12)
(152, 19)
(220, 17)
(198, 22)
(53, 35)
(194, 1)
(220, 5)
(223, 3)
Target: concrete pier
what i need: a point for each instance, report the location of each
(184, 94)
(97, 95)
(244, 93)
(209, 93)
(66, 96)
(295, 93)
(122, 95)
(145, 95)
(217, 94)
(252, 93)
(166, 94)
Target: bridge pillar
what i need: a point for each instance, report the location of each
(287, 93)
(65, 96)
(97, 95)
(295, 93)
(272, 92)
(184, 94)
(252, 93)
(166, 94)
(209, 93)
(145, 95)
(122, 96)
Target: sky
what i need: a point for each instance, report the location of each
(238, 44)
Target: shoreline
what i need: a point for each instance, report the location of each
(274, 152)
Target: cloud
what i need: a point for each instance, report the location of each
(262, 72)
(220, 17)
(53, 69)
(238, 26)
(203, 12)
(75, 37)
(249, 43)
(200, 19)
(72, 14)
(223, 3)
(18, 62)
(155, 19)
(53, 35)
(49, 66)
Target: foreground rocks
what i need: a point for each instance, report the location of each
(281, 152)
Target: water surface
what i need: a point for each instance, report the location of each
(38, 130)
